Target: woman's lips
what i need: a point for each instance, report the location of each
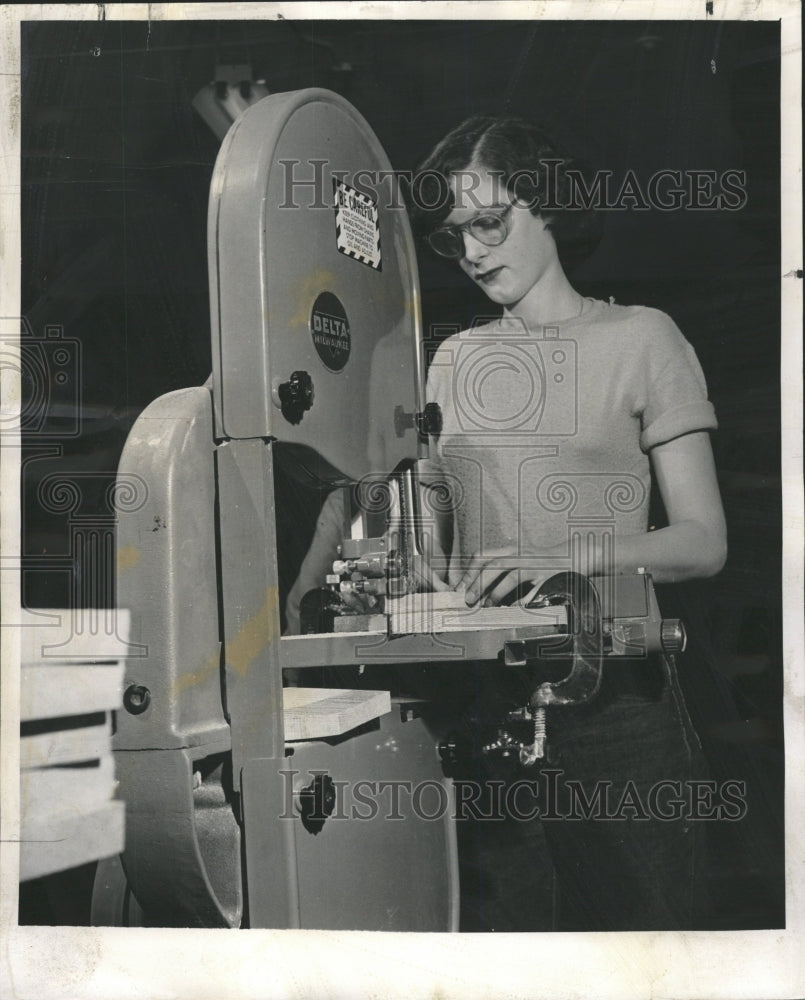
(490, 275)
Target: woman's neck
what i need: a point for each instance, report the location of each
(551, 300)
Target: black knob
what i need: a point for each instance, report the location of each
(673, 637)
(449, 751)
(456, 754)
(428, 422)
(136, 699)
(318, 610)
(296, 396)
(317, 802)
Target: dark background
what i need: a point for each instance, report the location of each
(116, 167)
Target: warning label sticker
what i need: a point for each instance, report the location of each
(357, 225)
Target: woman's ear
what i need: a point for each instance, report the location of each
(545, 218)
(548, 219)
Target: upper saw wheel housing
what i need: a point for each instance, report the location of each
(321, 279)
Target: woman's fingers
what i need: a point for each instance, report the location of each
(509, 583)
(362, 603)
(493, 577)
(471, 578)
(482, 571)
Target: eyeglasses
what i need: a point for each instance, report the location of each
(491, 229)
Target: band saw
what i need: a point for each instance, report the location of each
(241, 791)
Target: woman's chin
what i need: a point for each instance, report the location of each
(497, 295)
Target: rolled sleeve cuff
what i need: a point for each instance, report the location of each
(683, 419)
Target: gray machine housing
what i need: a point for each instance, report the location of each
(201, 754)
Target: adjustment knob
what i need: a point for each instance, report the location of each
(504, 747)
(673, 637)
(455, 753)
(428, 421)
(136, 699)
(316, 802)
(295, 396)
(448, 751)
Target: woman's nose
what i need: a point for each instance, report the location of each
(473, 249)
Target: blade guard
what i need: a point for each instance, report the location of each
(584, 643)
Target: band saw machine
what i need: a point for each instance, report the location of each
(248, 800)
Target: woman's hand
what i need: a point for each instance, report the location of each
(493, 576)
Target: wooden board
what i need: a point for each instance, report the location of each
(56, 690)
(63, 840)
(71, 680)
(66, 746)
(314, 713)
(446, 611)
(48, 791)
(62, 635)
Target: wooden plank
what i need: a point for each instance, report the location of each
(65, 841)
(51, 691)
(71, 679)
(446, 611)
(48, 791)
(314, 713)
(375, 624)
(67, 635)
(460, 647)
(66, 746)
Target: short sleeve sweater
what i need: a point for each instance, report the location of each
(549, 432)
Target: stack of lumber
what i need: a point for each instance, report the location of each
(71, 683)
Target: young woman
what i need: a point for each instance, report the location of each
(556, 416)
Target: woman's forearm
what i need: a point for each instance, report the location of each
(685, 550)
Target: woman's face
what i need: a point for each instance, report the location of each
(509, 271)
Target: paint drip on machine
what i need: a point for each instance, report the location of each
(329, 328)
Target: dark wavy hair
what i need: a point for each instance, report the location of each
(533, 167)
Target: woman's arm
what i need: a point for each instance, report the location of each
(318, 561)
(693, 545)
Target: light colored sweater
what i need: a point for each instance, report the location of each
(549, 431)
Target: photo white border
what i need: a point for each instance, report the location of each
(39, 963)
